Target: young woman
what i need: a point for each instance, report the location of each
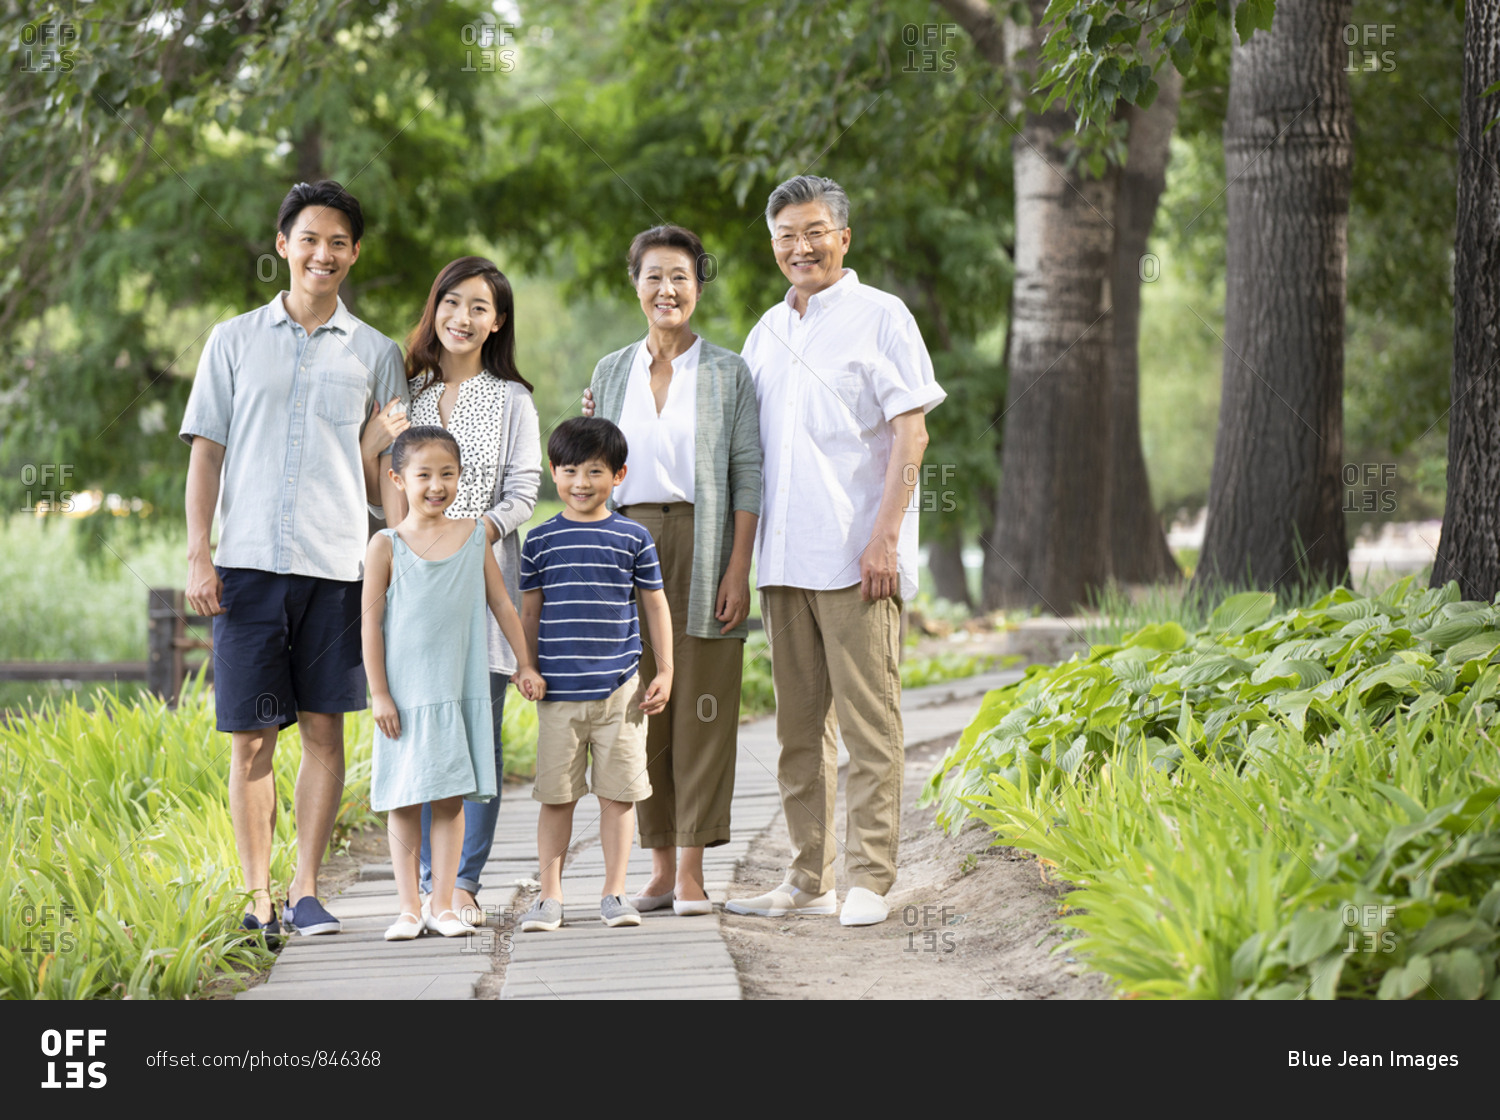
(461, 359)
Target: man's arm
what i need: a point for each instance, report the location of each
(879, 572)
(205, 464)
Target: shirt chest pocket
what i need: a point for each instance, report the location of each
(839, 402)
(339, 398)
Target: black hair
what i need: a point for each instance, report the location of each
(325, 193)
(419, 436)
(576, 441)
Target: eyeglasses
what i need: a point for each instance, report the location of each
(813, 237)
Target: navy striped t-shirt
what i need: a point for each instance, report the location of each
(589, 640)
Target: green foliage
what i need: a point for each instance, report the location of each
(120, 868)
(1100, 52)
(141, 192)
(1273, 806)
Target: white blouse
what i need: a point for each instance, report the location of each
(477, 423)
(663, 451)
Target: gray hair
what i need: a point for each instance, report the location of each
(809, 188)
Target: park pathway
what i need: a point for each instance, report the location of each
(664, 957)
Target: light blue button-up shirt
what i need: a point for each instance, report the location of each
(289, 408)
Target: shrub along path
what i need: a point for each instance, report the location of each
(666, 956)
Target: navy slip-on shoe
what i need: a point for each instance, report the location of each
(308, 917)
(270, 930)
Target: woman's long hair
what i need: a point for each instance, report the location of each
(424, 353)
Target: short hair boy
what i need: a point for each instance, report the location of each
(582, 574)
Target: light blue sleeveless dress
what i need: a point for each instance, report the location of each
(437, 666)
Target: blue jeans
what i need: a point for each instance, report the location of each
(479, 817)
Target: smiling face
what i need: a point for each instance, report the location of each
(667, 287)
(813, 258)
(320, 249)
(585, 487)
(429, 477)
(466, 316)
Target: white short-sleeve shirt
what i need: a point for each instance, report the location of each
(663, 450)
(829, 382)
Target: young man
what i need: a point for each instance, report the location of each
(844, 382)
(582, 573)
(274, 421)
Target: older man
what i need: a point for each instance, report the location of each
(274, 421)
(844, 383)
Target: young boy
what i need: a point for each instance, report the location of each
(581, 575)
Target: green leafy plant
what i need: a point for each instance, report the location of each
(1273, 806)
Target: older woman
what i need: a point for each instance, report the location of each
(688, 410)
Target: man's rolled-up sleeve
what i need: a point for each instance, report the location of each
(904, 379)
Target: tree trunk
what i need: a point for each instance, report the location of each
(1470, 547)
(1052, 518)
(1138, 543)
(945, 563)
(1274, 506)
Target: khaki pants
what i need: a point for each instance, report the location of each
(690, 746)
(835, 657)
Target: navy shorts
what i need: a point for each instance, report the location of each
(284, 644)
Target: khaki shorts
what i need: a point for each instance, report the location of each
(611, 732)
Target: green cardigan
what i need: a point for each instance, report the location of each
(726, 467)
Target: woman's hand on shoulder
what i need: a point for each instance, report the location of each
(588, 402)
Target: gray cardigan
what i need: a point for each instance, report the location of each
(726, 466)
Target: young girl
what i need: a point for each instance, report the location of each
(427, 583)
(461, 359)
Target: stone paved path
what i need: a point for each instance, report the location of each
(665, 956)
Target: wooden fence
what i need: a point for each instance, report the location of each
(172, 633)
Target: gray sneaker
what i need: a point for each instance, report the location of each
(617, 912)
(545, 914)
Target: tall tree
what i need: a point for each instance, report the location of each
(1275, 507)
(1138, 544)
(1051, 524)
(1470, 548)
(1074, 506)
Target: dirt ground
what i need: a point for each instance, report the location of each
(968, 921)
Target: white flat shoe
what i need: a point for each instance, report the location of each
(404, 929)
(449, 924)
(645, 902)
(683, 907)
(784, 900)
(863, 907)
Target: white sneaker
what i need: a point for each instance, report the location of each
(863, 907)
(784, 900)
